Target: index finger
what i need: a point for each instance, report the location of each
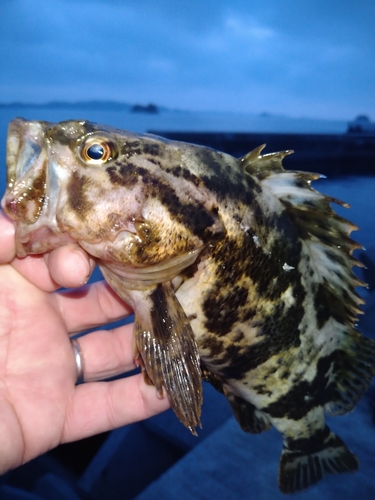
(68, 266)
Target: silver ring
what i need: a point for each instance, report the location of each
(78, 356)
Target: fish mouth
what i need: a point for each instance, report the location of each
(25, 142)
(26, 160)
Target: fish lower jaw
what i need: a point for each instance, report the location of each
(38, 241)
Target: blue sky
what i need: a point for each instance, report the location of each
(305, 58)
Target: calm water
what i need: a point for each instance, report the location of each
(169, 120)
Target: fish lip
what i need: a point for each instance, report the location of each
(40, 240)
(13, 147)
(25, 141)
(26, 161)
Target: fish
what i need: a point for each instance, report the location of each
(239, 273)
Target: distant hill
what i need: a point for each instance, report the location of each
(105, 105)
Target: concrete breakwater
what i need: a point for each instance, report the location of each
(328, 154)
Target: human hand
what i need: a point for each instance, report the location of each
(40, 405)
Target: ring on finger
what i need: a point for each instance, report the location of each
(78, 357)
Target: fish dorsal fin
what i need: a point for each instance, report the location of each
(325, 234)
(257, 164)
(168, 353)
(325, 237)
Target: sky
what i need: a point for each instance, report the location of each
(305, 58)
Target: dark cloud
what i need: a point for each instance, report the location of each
(302, 58)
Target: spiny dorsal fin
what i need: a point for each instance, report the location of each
(326, 239)
(257, 164)
(326, 236)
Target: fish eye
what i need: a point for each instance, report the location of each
(97, 150)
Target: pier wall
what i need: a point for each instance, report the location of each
(329, 154)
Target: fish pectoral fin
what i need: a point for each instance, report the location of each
(304, 462)
(169, 353)
(247, 415)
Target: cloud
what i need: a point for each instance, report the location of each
(248, 28)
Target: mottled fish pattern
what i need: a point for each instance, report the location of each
(238, 271)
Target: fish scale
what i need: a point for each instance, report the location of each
(238, 272)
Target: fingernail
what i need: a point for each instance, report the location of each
(84, 267)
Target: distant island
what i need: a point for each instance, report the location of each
(140, 108)
(150, 108)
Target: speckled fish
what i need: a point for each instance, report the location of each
(237, 270)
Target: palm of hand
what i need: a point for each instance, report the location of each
(40, 405)
(37, 368)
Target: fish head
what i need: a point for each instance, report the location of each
(116, 193)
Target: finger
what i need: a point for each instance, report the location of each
(102, 406)
(7, 247)
(107, 353)
(70, 266)
(90, 306)
(67, 266)
(34, 269)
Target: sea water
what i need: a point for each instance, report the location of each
(168, 120)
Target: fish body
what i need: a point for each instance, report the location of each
(237, 270)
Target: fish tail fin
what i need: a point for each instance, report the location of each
(304, 462)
